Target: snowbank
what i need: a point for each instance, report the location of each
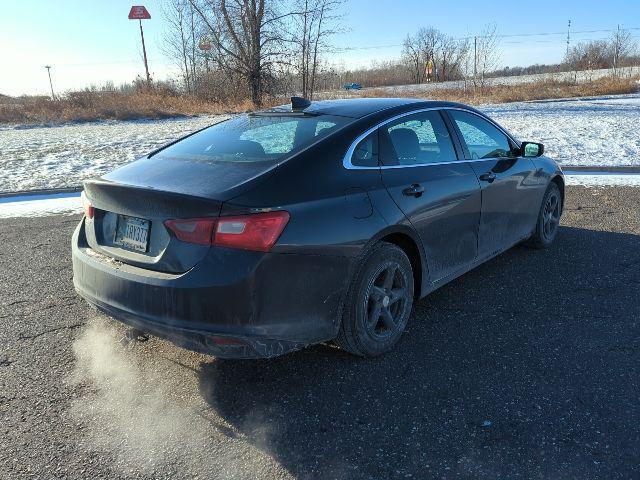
(40, 205)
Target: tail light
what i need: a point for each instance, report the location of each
(86, 205)
(258, 232)
(194, 230)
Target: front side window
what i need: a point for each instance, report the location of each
(417, 139)
(253, 138)
(483, 140)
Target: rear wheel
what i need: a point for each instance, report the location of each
(548, 218)
(378, 303)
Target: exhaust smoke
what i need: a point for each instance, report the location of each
(151, 419)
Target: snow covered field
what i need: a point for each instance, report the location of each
(591, 131)
(597, 131)
(579, 77)
(48, 157)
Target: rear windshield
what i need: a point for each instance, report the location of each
(254, 138)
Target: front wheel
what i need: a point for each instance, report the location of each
(378, 303)
(548, 218)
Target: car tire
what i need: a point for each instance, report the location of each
(378, 303)
(548, 218)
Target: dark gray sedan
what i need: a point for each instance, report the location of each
(309, 222)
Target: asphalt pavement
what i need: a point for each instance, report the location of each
(526, 367)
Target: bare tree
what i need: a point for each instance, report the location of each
(586, 56)
(248, 38)
(326, 19)
(420, 50)
(179, 39)
(430, 40)
(624, 46)
(487, 55)
(412, 56)
(451, 57)
(193, 55)
(312, 27)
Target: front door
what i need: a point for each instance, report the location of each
(510, 192)
(439, 194)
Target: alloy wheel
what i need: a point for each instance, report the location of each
(386, 301)
(551, 216)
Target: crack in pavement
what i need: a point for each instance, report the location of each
(15, 302)
(31, 312)
(23, 336)
(5, 362)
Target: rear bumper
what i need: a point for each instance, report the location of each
(232, 304)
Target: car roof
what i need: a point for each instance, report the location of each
(360, 107)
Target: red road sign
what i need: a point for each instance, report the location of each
(139, 12)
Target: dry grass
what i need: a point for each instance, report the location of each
(91, 106)
(548, 89)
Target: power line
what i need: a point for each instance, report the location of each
(395, 45)
(512, 35)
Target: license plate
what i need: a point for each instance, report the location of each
(132, 233)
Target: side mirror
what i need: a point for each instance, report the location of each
(531, 149)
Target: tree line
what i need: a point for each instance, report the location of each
(233, 50)
(616, 52)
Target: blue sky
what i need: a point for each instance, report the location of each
(93, 41)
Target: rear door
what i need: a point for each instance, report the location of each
(438, 193)
(510, 193)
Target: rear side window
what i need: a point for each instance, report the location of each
(483, 140)
(421, 138)
(254, 138)
(366, 152)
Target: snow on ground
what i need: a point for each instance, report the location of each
(61, 156)
(593, 131)
(596, 131)
(40, 205)
(603, 179)
(579, 77)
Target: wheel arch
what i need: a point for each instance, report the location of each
(558, 180)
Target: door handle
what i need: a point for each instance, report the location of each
(488, 177)
(415, 190)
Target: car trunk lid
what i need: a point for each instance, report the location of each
(132, 204)
(127, 225)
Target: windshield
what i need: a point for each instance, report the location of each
(253, 138)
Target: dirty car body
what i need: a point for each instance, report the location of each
(241, 240)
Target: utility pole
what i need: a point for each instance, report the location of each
(568, 37)
(48, 67)
(475, 60)
(139, 12)
(616, 51)
(205, 46)
(144, 54)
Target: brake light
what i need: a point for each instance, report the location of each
(86, 205)
(258, 231)
(193, 230)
